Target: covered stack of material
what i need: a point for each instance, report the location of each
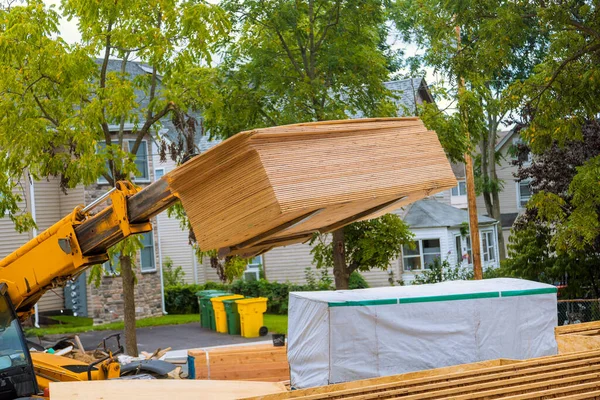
(349, 335)
(276, 186)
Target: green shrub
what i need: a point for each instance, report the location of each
(357, 281)
(172, 275)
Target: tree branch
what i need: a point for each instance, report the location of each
(289, 52)
(44, 112)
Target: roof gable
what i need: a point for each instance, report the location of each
(429, 213)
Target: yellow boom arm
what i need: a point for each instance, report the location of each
(80, 240)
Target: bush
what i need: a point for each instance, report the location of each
(357, 281)
(172, 275)
(182, 299)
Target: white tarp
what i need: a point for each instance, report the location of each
(340, 336)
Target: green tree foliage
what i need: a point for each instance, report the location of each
(58, 102)
(367, 244)
(172, 276)
(558, 104)
(488, 59)
(302, 61)
(558, 236)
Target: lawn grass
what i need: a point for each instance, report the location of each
(276, 323)
(70, 325)
(78, 327)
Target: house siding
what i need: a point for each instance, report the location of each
(48, 212)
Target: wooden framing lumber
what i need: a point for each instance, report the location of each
(265, 363)
(575, 375)
(160, 389)
(261, 188)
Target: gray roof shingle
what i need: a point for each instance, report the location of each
(429, 213)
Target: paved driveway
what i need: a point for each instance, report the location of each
(178, 337)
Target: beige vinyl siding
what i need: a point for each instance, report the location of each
(72, 199)
(288, 263)
(174, 241)
(48, 212)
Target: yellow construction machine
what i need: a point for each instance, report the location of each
(50, 260)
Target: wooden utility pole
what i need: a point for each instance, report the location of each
(471, 197)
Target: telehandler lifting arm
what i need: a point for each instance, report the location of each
(81, 239)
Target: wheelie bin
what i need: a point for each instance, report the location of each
(251, 316)
(219, 311)
(200, 294)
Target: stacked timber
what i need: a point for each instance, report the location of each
(277, 186)
(264, 363)
(572, 376)
(578, 337)
(123, 389)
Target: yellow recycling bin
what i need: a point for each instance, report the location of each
(251, 316)
(220, 314)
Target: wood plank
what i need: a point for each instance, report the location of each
(476, 372)
(161, 388)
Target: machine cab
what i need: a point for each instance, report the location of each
(17, 378)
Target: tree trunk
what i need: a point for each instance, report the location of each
(493, 177)
(128, 277)
(340, 269)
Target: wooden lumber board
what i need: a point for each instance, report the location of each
(586, 326)
(262, 179)
(262, 362)
(160, 389)
(576, 343)
(528, 376)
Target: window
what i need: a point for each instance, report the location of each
(523, 193)
(255, 262)
(252, 272)
(111, 266)
(141, 161)
(488, 246)
(524, 158)
(469, 250)
(424, 253)
(459, 251)
(159, 173)
(460, 189)
(147, 253)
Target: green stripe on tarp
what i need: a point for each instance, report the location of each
(528, 292)
(378, 302)
(448, 297)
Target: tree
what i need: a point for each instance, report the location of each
(294, 62)
(543, 245)
(558, 108)
(361, 246)
(59, 104)
(489, 59)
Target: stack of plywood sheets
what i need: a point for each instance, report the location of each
(578, 337)
(265, 363)
(160, 389)
(572, 376)
(276, 186)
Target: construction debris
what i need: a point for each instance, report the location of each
(284, 183)
(161, 389)
(573, 376)
(265, 363)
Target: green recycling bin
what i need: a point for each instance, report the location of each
(233, 317)
(200, 294)
(208, 313)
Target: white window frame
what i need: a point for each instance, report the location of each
(459, 252)
(137, 179)
(420, 255)
(519, 197)
(151, 246)
(457, 187)
(159, 169)
(488, 246)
